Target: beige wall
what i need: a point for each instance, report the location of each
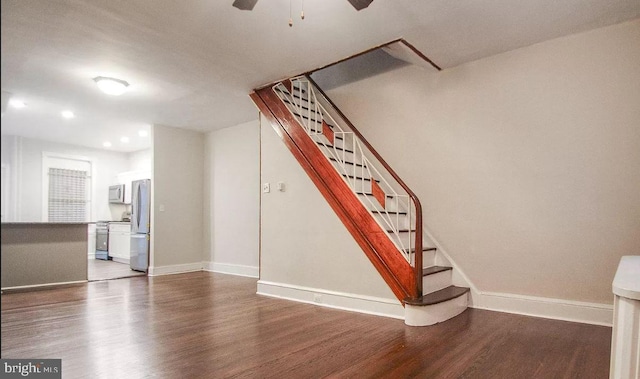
(36, 254)
(303, 243)
(232, 196)
(177, 185)
(527, 163)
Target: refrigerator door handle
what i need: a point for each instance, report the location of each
(139, 204)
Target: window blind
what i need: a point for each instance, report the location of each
(67, 195)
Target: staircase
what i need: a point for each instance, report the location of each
(380, 211)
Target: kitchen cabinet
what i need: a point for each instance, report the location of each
(120, 241)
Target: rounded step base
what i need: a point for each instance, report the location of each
(424, 315)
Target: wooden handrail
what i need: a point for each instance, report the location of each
(418, 246)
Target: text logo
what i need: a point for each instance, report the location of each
(31, 368)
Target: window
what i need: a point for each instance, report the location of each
(68, 200)
(66, 188)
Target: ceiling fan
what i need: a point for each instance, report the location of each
(247, 5)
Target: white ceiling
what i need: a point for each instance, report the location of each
(191, 64)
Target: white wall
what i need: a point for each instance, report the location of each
(27, 162)
(140, 160)
(303, 242)
(177, 198)
(232, 199)
(527, 163)
(9, 183)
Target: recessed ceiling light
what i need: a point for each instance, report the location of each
(143, 133)
(17, 103)
(67, 114)
(111, 86)
(106, 144)
(124, 139)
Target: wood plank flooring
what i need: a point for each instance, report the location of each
(205, 325)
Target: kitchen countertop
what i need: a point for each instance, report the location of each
(626, 283)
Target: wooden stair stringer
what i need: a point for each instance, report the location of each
(360, 223)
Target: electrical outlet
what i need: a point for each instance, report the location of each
(317, 298)
(266, 188)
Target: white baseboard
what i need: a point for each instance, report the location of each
(174, 269)
(557, 309)
(232, 269)
(91, 255)
(43, 285)
(331, 299)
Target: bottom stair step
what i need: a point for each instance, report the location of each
(436, 307)
(440, 296)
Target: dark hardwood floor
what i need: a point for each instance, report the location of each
(205, 325)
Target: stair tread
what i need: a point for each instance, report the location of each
(334, 147)
(440, 296)
(351, 163)
(370, 194)
(360, 178)
(413, 249)
(339, 138)
(435, 269)
(382, 211)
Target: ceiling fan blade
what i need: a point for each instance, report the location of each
(245, 5)
(360, 4)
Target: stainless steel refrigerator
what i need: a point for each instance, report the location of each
(140, 224)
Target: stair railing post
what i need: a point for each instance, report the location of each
(417, 267)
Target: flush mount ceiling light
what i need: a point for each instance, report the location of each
(124, 139)
(67, 114)
(111, 86)
(19, 104)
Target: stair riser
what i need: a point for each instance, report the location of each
(294, 103)
(372, 204)
(400, 221)
(436, 282)
(433, 314)
(428, 258)
(302, 99)
(404, 238)
(342, 155)
(338, 143)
